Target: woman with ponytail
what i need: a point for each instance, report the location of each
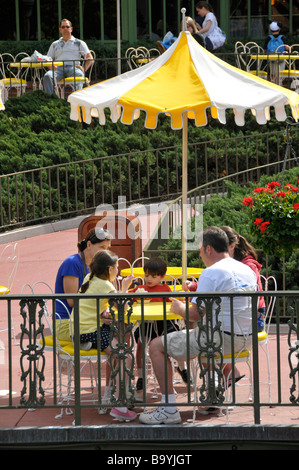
(71, 273)
(243, 251)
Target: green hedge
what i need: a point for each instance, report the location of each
(36, 131)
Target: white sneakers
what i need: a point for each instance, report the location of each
(160, 416)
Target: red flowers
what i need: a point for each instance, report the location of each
(274, 217)
(290, 187)
(248, 201)
(263, 225)
(273, 184)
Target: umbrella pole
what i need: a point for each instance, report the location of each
(118, 37)
(184, 194)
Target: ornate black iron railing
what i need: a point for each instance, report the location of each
(40, 362)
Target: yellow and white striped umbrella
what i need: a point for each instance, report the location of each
(2, 107)
(184, 78)
(184, 82)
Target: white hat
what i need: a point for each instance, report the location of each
(274, 26)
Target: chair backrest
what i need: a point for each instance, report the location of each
(240, 55)
(271, 300)
(22, 72)
(20, 56)
(292, 63)
(137, 57)
(89, 71)
(294, 49)
(7, 71)
(6, 58)
(280, 49)
(253, 49)
(137, 260)
(178, 280)
(9, 259)
(47, 313)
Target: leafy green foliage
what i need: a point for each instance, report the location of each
(274, 215)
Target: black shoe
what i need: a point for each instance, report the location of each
(139, 384)
(184, 374)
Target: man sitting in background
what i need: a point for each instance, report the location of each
(70, 49)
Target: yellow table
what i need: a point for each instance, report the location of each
(152, 311)
(275, 73)
(37, 66)
(173, 272)
(275, 56)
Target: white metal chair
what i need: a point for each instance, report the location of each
(33, 73)
(263, 336)
(9, 261)
(89, 360)
(254, 65)
(72, 81)
(290, 70)
(139, 56)
(240, 55)
(11, 79)
(141, 258)
(65, 354)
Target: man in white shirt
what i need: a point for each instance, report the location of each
(67, 48)
(222, 274)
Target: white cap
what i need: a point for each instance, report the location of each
(274, 26)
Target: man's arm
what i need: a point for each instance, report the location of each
(88, 61)
(179, 308)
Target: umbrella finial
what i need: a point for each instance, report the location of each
(183, 11)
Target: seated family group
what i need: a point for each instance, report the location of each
(230, 263)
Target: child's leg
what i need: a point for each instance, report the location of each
(121, 412)
(139, 355)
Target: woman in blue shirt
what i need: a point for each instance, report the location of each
(71, 274)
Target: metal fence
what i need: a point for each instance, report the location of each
(40, 362)
(69, 189)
